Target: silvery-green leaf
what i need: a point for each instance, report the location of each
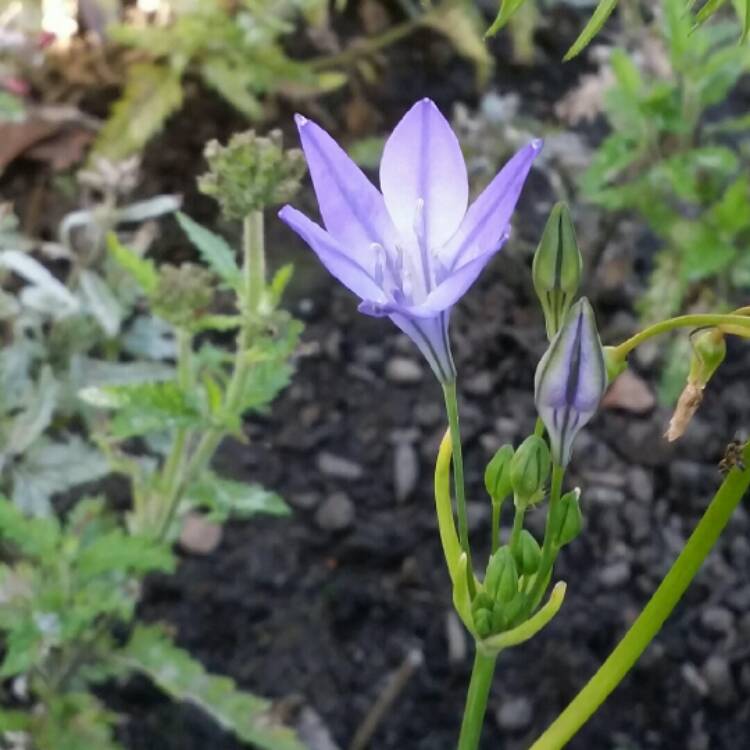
(150, 337)
(15, 363)
(101, 302)
(97, 372)
(35, 419)
(149, 209)
(52, 467)
(41, 301)
(35, 273)
(9, 306)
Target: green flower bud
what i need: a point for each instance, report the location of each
(251, 172)
(527, 554)
(481, 612)
(530, 468)
(497, 474)
(182, 294)
(566, 521)
(613, 364)
(501, 580)
(557, 268)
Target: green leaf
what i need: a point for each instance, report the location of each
(74, 721)
(145, 407)
(51, 467)
(707, 10)
(35, 537)
(507, 9)
(34, 420)
(152, 93)
(213, 249)
(141, 269)
(180, 676)
(22, 646)
(117, 552)
(592, 28)
(101, 302)
(225, 498)
(234, 84)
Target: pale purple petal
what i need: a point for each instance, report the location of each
(431, 337)
(352, 208)
(488, 217)
(422, 161)
(331, 254)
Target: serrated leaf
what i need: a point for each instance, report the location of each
(225, 498)
(507, 9)
(152, 92)
(35, 537)
(213, 249)
(180, 676)
(234, 84)
(117, 552)
(599, 17)
(149, 337)
(37, 275)
(141, 269)
(52, 467)
(74, 721)
(34, 420)
(145, 407)
(101, 302)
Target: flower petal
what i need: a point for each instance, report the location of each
(447, 293)
(422, 160)
(431, 337)
(352, 208)
(487, 219)
(339, 264)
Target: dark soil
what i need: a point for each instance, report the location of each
(290, 609)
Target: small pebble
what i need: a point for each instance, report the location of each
(403, 370)
(615, 574)
(338, 467)
(640, 484)
(199, 535)
(405, 470)
(336, 513)
(514, 714)
(718, 620)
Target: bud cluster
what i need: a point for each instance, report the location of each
(251, 172)
(183, 293)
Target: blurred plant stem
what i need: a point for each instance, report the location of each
(651, 619)
(184, 467)
(476, 700)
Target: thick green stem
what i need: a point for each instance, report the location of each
(476, 700)
(451, 406)
(548, 547)
(659, 607)
(497, 508)
(682, 321)
(518, 517)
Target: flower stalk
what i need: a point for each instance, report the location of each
(476, 700)
(651, 619)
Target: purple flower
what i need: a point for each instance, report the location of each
(570, 380)
(411, 252)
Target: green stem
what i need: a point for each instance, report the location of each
(497, 508)
(254, 261)
(517, 524)
(476, 700)
(251, 297)
(659, 607)
(682, 321)
(451, 406)
(548, 547)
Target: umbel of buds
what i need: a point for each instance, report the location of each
(570, 380)
(557, 268)
(251, 172)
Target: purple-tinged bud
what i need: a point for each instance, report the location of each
(557, 268)
(570, 380)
